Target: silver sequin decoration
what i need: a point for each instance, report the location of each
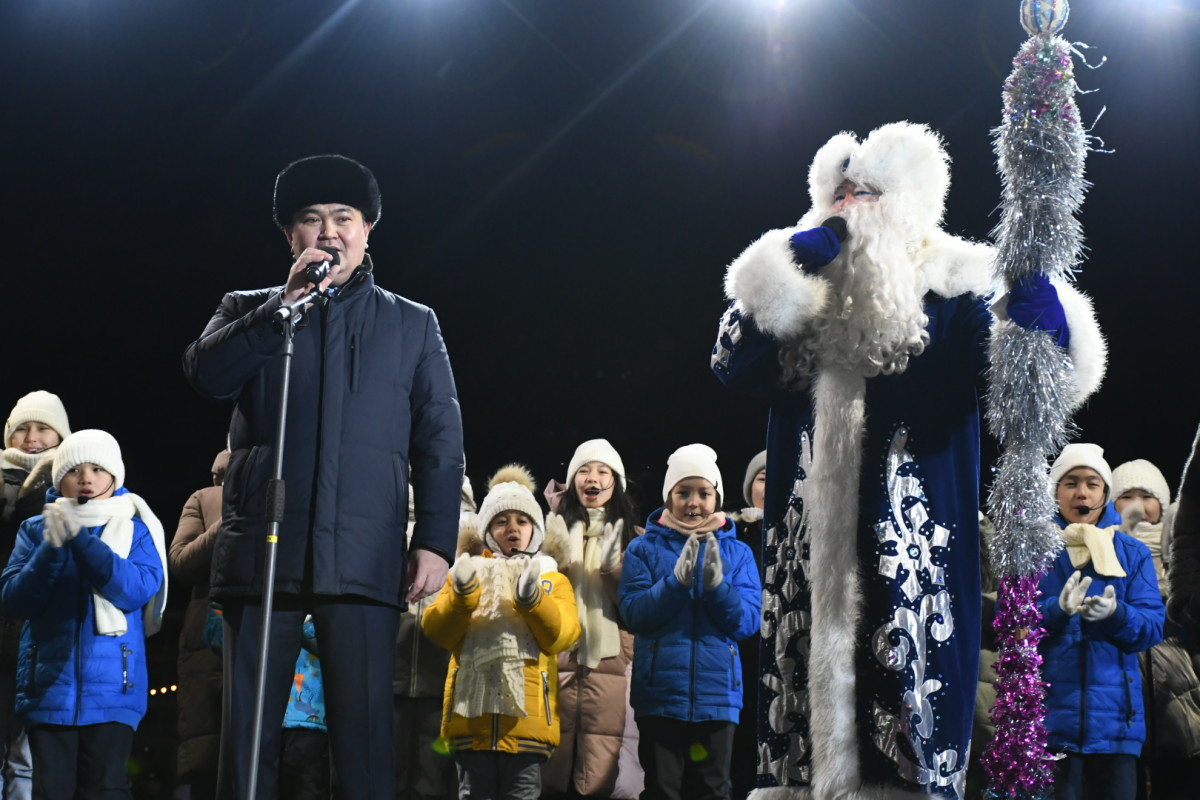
(906, 541)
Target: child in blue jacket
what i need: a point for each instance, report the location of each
(1100, 607)
(689, 592)
(88, 576)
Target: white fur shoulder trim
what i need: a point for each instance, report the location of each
(768, 282)
(1089, 351)
(953, 266)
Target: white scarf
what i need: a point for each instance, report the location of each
(600, 636)
(491, 673)
(116, 515)
(1086, 543)
(16, 458)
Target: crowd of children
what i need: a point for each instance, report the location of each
(575, 654)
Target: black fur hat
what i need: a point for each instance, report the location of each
(326, 179)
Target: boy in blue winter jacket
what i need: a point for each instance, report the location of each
(1101, 607)
(88, 577)
(689, 592)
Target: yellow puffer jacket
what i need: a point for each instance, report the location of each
(554, 622)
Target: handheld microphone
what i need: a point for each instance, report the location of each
(838, 226)
(317, 271)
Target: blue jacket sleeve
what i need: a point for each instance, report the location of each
(1137, 623)
(736, 604)
(437, 448)
(33, 572)
(647, 604)
(1054, 619)
(745, 358)
(236, 343)
(127, 583)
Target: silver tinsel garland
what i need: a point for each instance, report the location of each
(1040, 148)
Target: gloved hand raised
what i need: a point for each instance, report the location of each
(714, 573)
(462, 574)
(1074, 591)
(528, 583)
(1101, 606)
(610, 554)
(1033, 304)
(685, 565)
(53, 530)
(72, 524)
(816, 247)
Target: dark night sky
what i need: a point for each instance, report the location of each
(564, 182)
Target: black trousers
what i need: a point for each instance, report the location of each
(357, 642)
(424, 770)
(685, 759)
(86, 761)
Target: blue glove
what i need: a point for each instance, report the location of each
(1033, 304)
(815, 247)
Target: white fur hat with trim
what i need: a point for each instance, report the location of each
(1141, 474)
(511, 489)
(40, 406)
(596, 450)
(905, 162)
(1082, 454)
(89, 446)
(693, 461)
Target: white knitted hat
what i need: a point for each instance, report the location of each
(596, 450)
(511, 489)
(1141, 474)
(38, 406)
(693, 461)
(97, 447)
(757, 465)
(1082, 455)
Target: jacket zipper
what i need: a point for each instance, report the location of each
(495, 731)
(124, 669)
(733, 683)
(31, 687)
(653, 660)
(546, 697)
(412, 687)
(354, 362)
(692, 671)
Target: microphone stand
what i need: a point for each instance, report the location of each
(285, 320)
(286, 325)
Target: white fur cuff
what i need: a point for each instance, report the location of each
(767, 281)
(1089, 351)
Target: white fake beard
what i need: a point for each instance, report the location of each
(875, 320)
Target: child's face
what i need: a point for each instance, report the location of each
(1149, 502)
(512, 530)
(693, 498)
(88, 480)
(34, 437)
(594, 484)
(1081, 495)
(758, 489)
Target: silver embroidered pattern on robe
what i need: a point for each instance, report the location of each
(906, 544)
(788, 631)
(729, 333)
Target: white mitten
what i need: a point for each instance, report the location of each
(529, 583)
(53, 530)
(71, 522)
(714, 573)
(610, 554)
(1101, 606)
(685, 566)
(462, 574)
(1070, 599)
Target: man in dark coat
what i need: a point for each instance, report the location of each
(373, 397)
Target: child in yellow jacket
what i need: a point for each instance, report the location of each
(505, 614)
